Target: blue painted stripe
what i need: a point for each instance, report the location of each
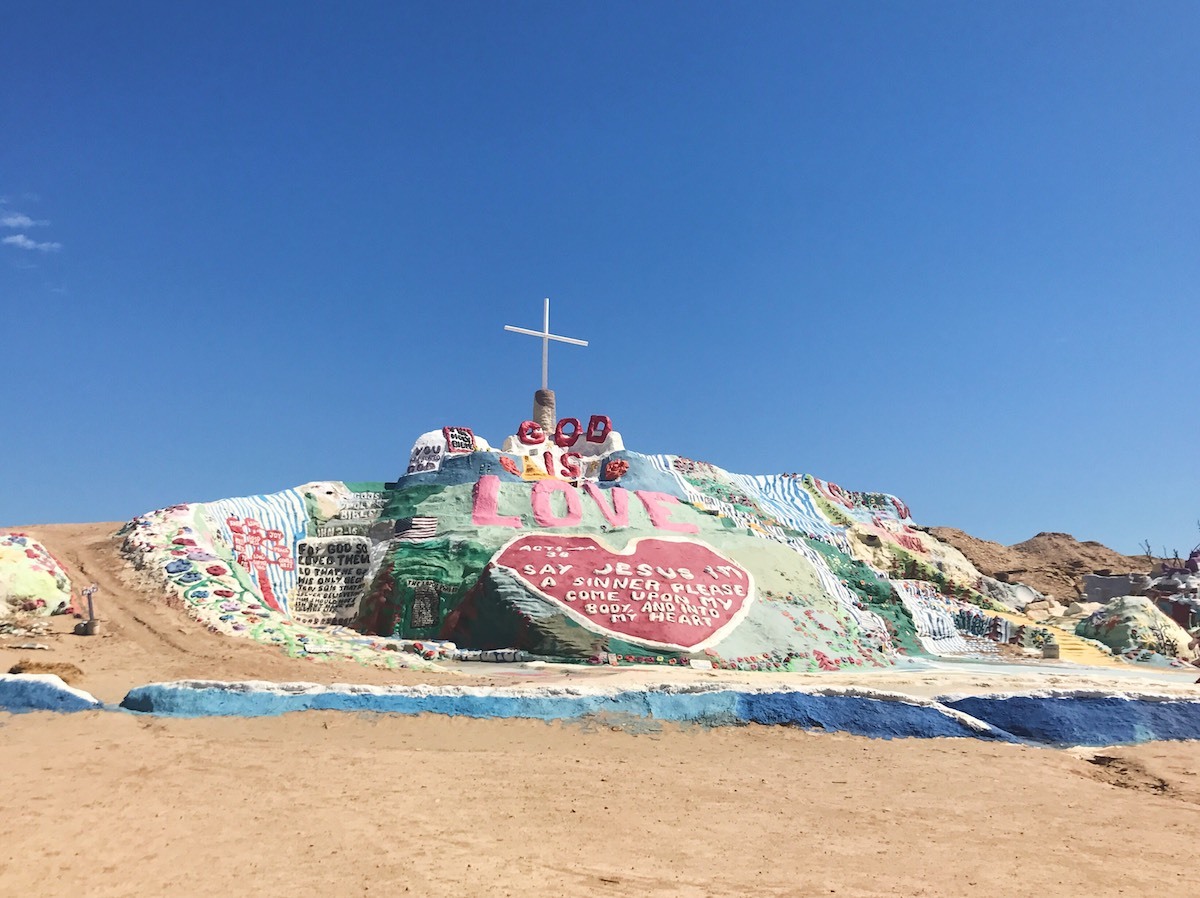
(787, 499)
(855, 714)
(1055, 720)
(202, 701)
(664, 464)
(1085, 720)
(22, 692)
(860, 715)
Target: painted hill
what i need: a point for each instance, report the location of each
(32, 581)
(564, 545)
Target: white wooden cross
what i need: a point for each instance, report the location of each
(546, 336)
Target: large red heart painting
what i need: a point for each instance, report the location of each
(669, 593)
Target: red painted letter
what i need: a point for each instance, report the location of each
(565, 440)
(598, 428)
(570, 465)
(530, 433)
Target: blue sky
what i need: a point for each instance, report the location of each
(944, 250)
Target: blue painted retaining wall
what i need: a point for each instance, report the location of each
(29, 692)
(845, 713)
(201, 701)
(1055, 720)
(1090, 720)
(855, 714)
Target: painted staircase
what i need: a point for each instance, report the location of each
(1070, 647)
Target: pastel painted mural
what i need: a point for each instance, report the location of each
(565, 545)
(31, 579)
(1133, 627)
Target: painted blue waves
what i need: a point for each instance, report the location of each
(786, 498)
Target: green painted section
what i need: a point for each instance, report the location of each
(876, 593)
(793, 624)
(420, 585)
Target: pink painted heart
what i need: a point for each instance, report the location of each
(667, 593)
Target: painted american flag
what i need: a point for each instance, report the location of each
(415, 529)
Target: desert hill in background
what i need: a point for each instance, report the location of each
(1052, 563)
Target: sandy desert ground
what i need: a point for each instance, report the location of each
(104, 804)
(324, 803)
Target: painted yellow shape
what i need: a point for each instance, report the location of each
(533, 471)
(1070, 647)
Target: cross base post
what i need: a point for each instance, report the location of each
(544, 413)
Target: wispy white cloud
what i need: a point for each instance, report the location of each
(22, 242)
(18, 220)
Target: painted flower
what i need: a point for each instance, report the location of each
(223, 593)
(216, 570)
(824, 661)
(616, 469)
(178, 567)
(189, 577)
